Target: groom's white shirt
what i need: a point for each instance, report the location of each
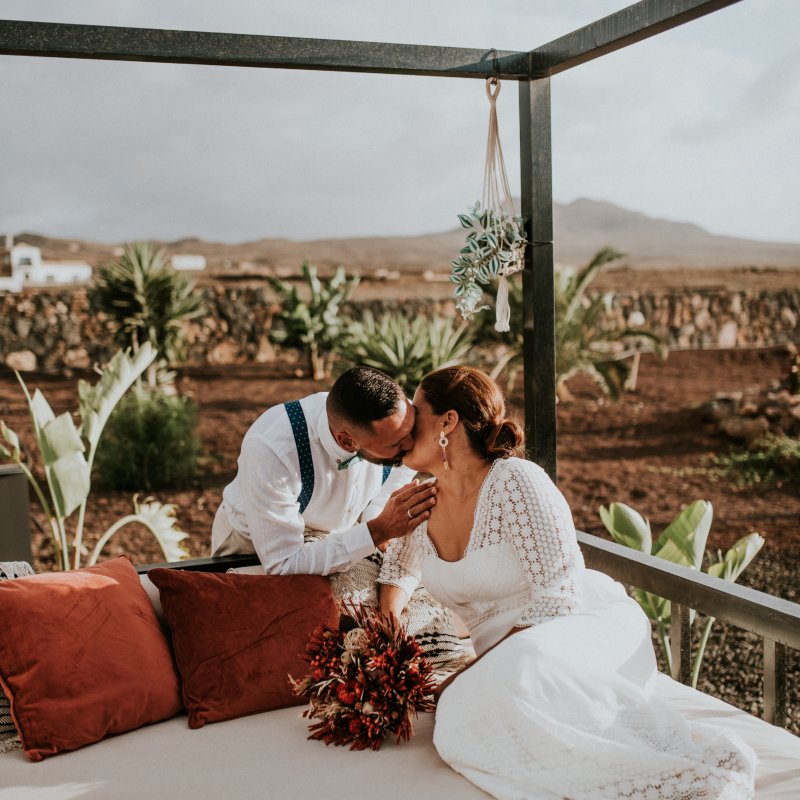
(261, 502)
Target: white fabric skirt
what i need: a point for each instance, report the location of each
(565, 709)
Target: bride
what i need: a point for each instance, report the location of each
(559, 701)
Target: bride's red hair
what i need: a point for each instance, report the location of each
(480, 406)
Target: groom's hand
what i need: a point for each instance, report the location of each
(405, 509)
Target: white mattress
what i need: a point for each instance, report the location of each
(267, 756)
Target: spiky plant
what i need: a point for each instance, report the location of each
(405, 349)
(313, 326)
(146, 300)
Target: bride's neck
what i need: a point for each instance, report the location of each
(463, 477)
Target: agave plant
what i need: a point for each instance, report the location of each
(146, 300)
(682, 542)
(584, 344)
(313, 325)
(68, 451)
(404, 349)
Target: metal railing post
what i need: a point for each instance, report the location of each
(774, 682)
(681, 643)
(538, 291)
(15, 527)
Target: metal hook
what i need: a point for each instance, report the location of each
(495, 76)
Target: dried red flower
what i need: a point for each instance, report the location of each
(365, 683)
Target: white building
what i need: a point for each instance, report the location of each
(22, 265)
(184, 261)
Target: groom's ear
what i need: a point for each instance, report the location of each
(345, 441)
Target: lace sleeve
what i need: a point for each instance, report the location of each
(535, 518)
(401, 563)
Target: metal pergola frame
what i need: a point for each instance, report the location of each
(531, 69)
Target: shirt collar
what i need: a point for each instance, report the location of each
(330, 445)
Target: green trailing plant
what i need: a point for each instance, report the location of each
(682, 542)
(149, 442)
(68, 451)
(584, 343)
(405, 349)
(494, 245)
(146, 301)
(770, 460)
(313, 326)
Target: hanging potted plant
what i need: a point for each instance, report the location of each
(495, 243)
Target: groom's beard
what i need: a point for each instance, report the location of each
(383, 462)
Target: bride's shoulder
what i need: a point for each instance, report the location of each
(519, 466)
(520, 469)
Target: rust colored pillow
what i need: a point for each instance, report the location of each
(82, 656)
(237, 638)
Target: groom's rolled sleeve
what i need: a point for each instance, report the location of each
(275, 525)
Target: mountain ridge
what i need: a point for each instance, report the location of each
(581, 228)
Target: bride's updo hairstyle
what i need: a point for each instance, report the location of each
(480, 406)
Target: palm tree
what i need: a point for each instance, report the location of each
(584, 343)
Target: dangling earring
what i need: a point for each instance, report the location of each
(443, 442)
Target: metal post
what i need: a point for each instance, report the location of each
(774, 682)
(15, 528)
(681, 643)
(537, 279)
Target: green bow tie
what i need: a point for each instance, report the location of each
(354, 459)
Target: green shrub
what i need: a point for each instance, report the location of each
(149, 442)
(771, 460)
(68, 453)
(313, 326)
(682, 542)
(404, 349)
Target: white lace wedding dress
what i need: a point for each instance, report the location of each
(564, 708)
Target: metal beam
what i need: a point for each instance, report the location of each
(627, 26)
(538, 292)
(242, 50)
(220, 564)
(768, 616)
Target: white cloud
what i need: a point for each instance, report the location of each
(698, 124)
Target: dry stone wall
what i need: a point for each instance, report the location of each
(55, 329)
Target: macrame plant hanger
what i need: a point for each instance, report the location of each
(497, 202)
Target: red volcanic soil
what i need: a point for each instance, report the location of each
(648, 450)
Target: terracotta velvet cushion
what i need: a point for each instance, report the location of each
(82, 656)
(237, 638)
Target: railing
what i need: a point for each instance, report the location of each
(15, 527)
(777, 621)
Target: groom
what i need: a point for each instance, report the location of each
(310, 469)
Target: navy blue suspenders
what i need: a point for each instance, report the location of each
(300, 430)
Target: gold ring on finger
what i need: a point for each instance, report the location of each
(410, 515)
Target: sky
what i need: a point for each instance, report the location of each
(699, 124)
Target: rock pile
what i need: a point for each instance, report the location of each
(751, 414)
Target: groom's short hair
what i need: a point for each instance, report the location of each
(363, 395)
